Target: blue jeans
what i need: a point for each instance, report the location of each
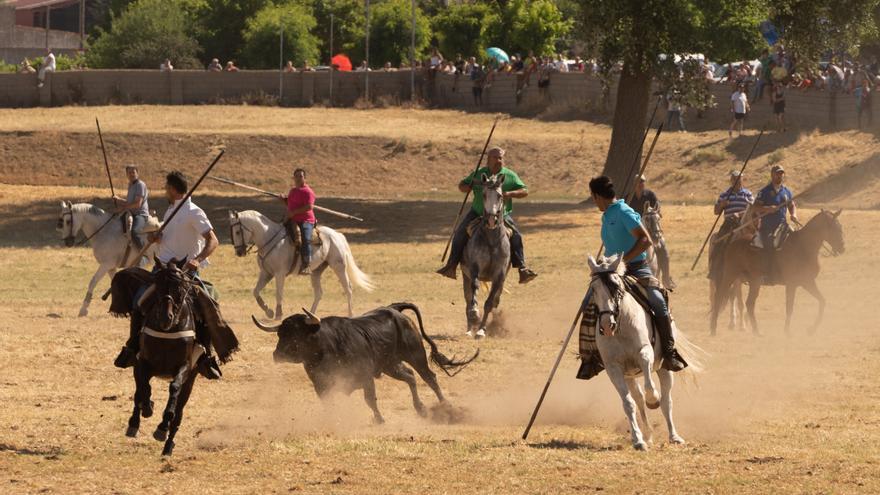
(306, 229)
(674, 114)
(459, 241)
(640, 269)
(137, 223)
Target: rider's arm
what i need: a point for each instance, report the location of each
(464, 187)
(643, 242)
(792, 211)
(517, 194)
(122, 205)
(211, 244)
(302, 209)
(720, 205)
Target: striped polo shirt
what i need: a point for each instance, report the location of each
(739, 201)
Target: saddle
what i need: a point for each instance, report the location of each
(153, 225)
(475, 224)
(295, 236)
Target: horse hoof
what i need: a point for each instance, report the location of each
(169, 448)
(83, 312)
(131, 432)
(653, 405)
(160, 435)
(640, 446)
(677, 440)
(378, 421)
(269, 314)
(481, 334)
(147, 409)
(469, 333)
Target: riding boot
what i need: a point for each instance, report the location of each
(207, 365)
(526, 275)
(459, 242)
(305, 268)
(128, 355)
(672, 360)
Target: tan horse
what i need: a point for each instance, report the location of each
(797, 262)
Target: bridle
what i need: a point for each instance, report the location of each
(498, 213)
(235, 223)
(67, 215)
(616, 296)
(176, 308)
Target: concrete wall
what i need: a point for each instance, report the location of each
(573, 94)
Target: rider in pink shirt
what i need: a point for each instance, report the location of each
(300, 201)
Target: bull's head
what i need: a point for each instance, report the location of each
(297, 337)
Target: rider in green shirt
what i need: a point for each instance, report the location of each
(513, 187)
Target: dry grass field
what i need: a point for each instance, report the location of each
(771, 414)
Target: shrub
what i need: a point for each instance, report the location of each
(261, 36)
(462, 28)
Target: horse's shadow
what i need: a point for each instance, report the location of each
(556, 444)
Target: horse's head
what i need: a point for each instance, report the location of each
(651, 219)
(834, 231)
(173, 286)
(67, 225)
(493, 200)
(607, 287)
(238, 234)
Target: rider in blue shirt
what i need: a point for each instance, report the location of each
(773, 201)
(623, 232)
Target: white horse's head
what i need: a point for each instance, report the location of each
(68, 224)
(241, 237)
(607, 286)
(493, 199)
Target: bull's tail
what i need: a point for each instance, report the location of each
(450, 366)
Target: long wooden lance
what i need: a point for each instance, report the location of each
(106, 163)
(629, 198)
(467, 195)
(718, 217)
(276, 195)
(165, 223)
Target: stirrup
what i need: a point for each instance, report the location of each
(126, 358)
(673, 361)
(209, 368)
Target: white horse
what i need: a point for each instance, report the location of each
(275, 257)
(624, 342)
(104, 232)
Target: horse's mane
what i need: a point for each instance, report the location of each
(254, 214)
(87, 208)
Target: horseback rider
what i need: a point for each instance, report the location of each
(189, 235)
(772, 202)
(135, 204)
(513, 187)
(642, 199)
(300, 201)
(623, 232)
(733, 203)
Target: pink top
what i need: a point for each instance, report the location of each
(301, 196)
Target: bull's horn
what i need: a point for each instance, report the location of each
(313, 318)
(264, 327)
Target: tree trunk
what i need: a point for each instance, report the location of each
(630, 118)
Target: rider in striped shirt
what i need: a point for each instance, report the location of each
(733, 202)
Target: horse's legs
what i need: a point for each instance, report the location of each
(99, 274)
(279, 296)
(738, 307)
(754, 290)
(342, 275)
(666, 381)
(317, 290)
(636, 391)
(404, 374)
(370, 398)
(790, 291)
(141, 399)
(646, 363)
(721, 293)
(813, 289)
(471, 287)
(182, 399)
(629, 406)
(174, 389)
(492, 300)
(263, 279)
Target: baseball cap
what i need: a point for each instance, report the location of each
(777, 168)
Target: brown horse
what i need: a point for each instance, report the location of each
(797, 262)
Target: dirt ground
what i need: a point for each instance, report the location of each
(771, 414)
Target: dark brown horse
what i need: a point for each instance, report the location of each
(168, 349)
(797, 263)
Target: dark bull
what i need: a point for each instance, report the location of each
(350, 353)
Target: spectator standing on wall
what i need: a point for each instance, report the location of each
(863, 101)
(25, 67)
(230, 67)
(739, 107)
(436, 59)
(215, 66)
(166, 66)
(48, 65)
(777, 99)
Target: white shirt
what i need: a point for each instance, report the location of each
(182, 238)
(49, 63)
(562, 66)
(739, 100)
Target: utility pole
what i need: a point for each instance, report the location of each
(412, 55)
(331, 60)
(367, 57)
(281, 65)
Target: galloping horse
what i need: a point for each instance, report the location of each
(276, 253)
(625, 341)
(797, 261)
(486, 257)
(105, 236)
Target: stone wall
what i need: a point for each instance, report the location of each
(573, 95)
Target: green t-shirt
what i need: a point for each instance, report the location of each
(512, 182)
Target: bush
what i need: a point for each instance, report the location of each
(525, 26)
(348, 26)
(390, 32)
(261, 36)
(462, 28)
(147, 32)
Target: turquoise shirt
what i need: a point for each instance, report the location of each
(618, 221)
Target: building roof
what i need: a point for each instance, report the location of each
(36, 4)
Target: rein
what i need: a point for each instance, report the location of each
(87, 239)
(273, 243)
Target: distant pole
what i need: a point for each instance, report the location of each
(412, 55)
(331, 60)
(82, 25)
(281, 65)
(48, 24)
(367, 57)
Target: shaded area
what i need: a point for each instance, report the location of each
(32, 224)
(853, 186)
(556, 444)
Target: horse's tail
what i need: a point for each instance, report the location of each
(358, 278)
(450, 366)
(691, 353)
